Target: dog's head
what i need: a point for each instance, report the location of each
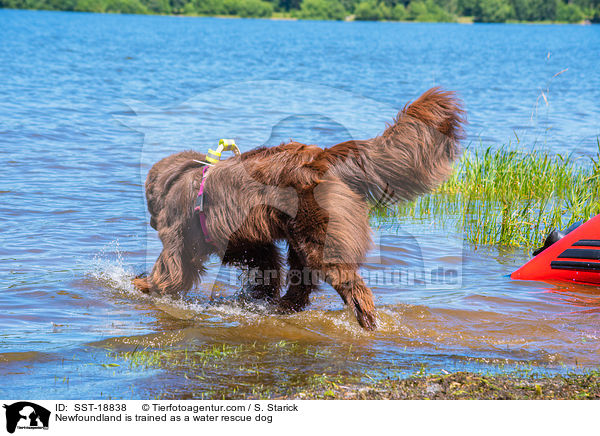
(163, 176)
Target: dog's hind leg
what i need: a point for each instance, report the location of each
(351, 287)
(344, 278)
(264, 265)
(331, 233)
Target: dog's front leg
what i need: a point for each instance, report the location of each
(302, 281)
(173, 272)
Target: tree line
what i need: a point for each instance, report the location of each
(487, 11)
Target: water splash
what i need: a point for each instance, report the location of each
(110, 269)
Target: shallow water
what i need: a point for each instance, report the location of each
(89, 102)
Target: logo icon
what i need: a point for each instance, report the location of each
(26, 415)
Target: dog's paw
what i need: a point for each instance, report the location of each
(366, 320)
(265, 293)
(287, 305)
(366, 317)
(142, 284)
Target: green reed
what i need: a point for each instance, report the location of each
(508, 197)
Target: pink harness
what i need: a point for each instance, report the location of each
(199, 206)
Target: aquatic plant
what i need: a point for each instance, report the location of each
(506, 197)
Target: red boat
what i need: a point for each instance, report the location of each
(572, 257)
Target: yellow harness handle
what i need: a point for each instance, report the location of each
(214, 156)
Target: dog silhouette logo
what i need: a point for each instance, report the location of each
(26, 415)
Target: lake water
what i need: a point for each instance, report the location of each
(89, 102)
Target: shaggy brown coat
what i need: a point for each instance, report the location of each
(313, 198)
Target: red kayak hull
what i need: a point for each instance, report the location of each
(574, 258)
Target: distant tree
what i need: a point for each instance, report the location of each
(322, 10)
(58, 5)
(125, 7)
(158, 6)
(288, 5)
(367, 11)
(416, 9)
(466, 7)
(428, 10)
(590, 8)
(90, 6)
(585, 3)
(255, 8)
(177, 6)
(534, 10)
(385, 11)
(450, 6)
(399, 12)
(231, 7)
(493, 11)
(569, 13)
(189, 9)
(209, 7)
(349, 5)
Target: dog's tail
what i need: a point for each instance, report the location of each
(411, 157)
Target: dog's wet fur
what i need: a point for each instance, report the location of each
(315, 199)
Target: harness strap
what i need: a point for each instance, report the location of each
(199, 206)
(212, 157)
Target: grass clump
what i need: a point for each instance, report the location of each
(235, 371)
(510, 198)
(174, 358)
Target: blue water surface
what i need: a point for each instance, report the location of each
(89, 101)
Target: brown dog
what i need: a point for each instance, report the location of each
(313, 198)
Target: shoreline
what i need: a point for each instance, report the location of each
(286, 16)
(462, 386)
(193, 367)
